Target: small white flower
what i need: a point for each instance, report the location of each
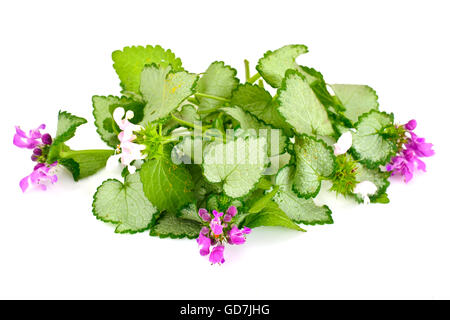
(129, 151)
(343, 144)
(365, 189)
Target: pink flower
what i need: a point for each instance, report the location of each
(216, 233)
(204, 243)
(237, 236)
(419, 146)
(216, 255)
(405, 162)
(203, 213)
(411, 125)
(400, 165)
(343, 143)
(231, 212)
(41, 177)
(30, 141)
(43, 174)
(129, 151)
(216, 224)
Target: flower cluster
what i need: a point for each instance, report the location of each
(129, 151)
(218, 231)
(413, 148)
(43, 174)
(344, 179)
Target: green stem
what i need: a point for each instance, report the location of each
(204, 95)
(275, 97)
(247, 70)
(189, 124)
(210, 110)
(192, 100)
(72, 153)
(254, 78)
(261, 83)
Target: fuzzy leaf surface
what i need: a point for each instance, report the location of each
(299, 105)
(218, 80)
(130, 62)
(238, 164)
(357, 99)
(124, 204)
(171, 226)
(300, 210)
(274, 64)
(167, 186)
(370, 145)
(271, 215)
(164, 90)
(314, 161)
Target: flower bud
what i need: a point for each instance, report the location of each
(47, 139)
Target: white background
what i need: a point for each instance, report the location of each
(55, 55)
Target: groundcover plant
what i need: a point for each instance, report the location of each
(209, 157)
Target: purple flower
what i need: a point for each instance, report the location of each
(411, 125)
(237, 236)
(204, 243)
(419, 146)
(410, 156)
(41, 176)
(216, 224)
(30, 141)
(216, 255)
(232, 211)
(47, 139)
(400, 165)
(37, 151)
(217, 232)
(404, 163)
(203, 213)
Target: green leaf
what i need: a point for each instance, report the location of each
(357, 99)
(238, 164)
(276, 141)
(271, 215)
(315, 161)
(202, 187)
(370, 145)
(263, 201)
(264, 184)
(164, 90)
(187, 113)
(124, 204)
(84, 163)
(300, 107)
(378, 177)
(190, 212)
(166, 185)
(382, 198)
(222, 202)
(274, 64)
(103, 111)
(67, 125)
(169, 225)
(298, 209)
(218, 80)
(130, 62)
(257, 101)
